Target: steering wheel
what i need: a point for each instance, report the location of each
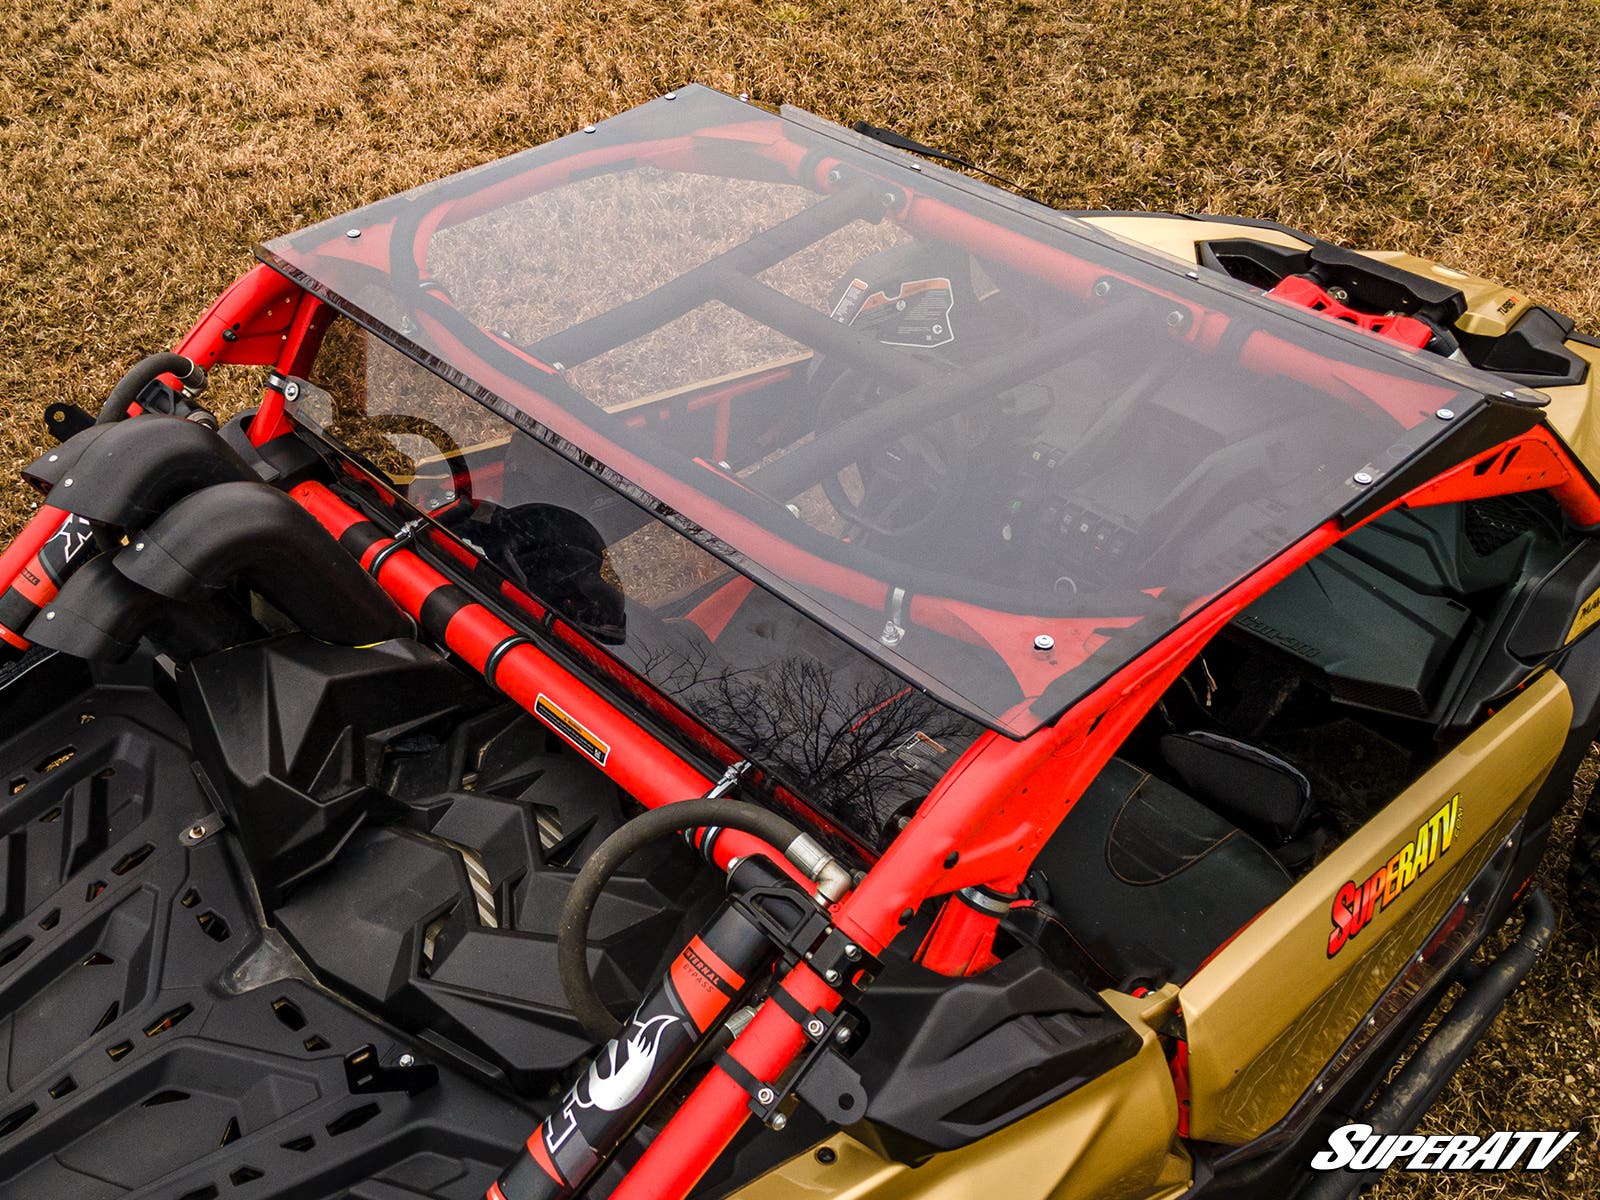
(907, 485)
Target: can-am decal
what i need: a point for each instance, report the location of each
(1357, 903)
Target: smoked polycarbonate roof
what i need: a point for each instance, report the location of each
(993, 448)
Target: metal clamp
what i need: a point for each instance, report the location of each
(843, 964)
(822, 1078)
(402, 537)
(802, 933)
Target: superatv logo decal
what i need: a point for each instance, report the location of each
(1357, 903)
(1358, 1148)
(568, 726)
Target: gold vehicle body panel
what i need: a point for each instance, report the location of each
(1115, 1138)
(1180, 236)
(1492, 308)
(1268, 1012)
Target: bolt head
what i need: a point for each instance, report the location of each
(66, 483)
(588, 128)
(842, 1036)
(672, 95)
(852, 951)
(51, 615)
(831, 975)
(53, 458)
(352, 233)
(815, 1028)
(196, 832)
(1102, 287)
(291, 391)
(765, 1095)
(138, 545)
(408, 1060)
(1044, 642)
(1446, 414)
(1362, 477)
(1192, 274)
(778, 1119)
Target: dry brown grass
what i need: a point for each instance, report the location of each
(148, 145)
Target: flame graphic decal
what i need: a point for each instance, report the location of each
(621, 1081)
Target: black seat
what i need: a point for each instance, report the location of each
(1149, 882)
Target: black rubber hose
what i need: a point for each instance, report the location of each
(142, 374)
(572, 936)
(255, 534)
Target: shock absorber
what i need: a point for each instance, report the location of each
(702, 987)
(40, 578)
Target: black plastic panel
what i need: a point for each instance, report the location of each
(157, 1045)
(416, 839)
(1375, 642)
(949, 1061)
(293, 733)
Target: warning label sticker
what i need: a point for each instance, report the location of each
(916, 315)
(564, 723)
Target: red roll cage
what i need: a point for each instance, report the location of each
(986, 819)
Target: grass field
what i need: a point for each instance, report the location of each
(147, 146)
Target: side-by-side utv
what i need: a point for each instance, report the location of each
(731, 661)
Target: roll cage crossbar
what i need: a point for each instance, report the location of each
(986, 819)
(527, 383)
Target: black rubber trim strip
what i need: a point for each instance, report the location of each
(492, 663)
(440, 607)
